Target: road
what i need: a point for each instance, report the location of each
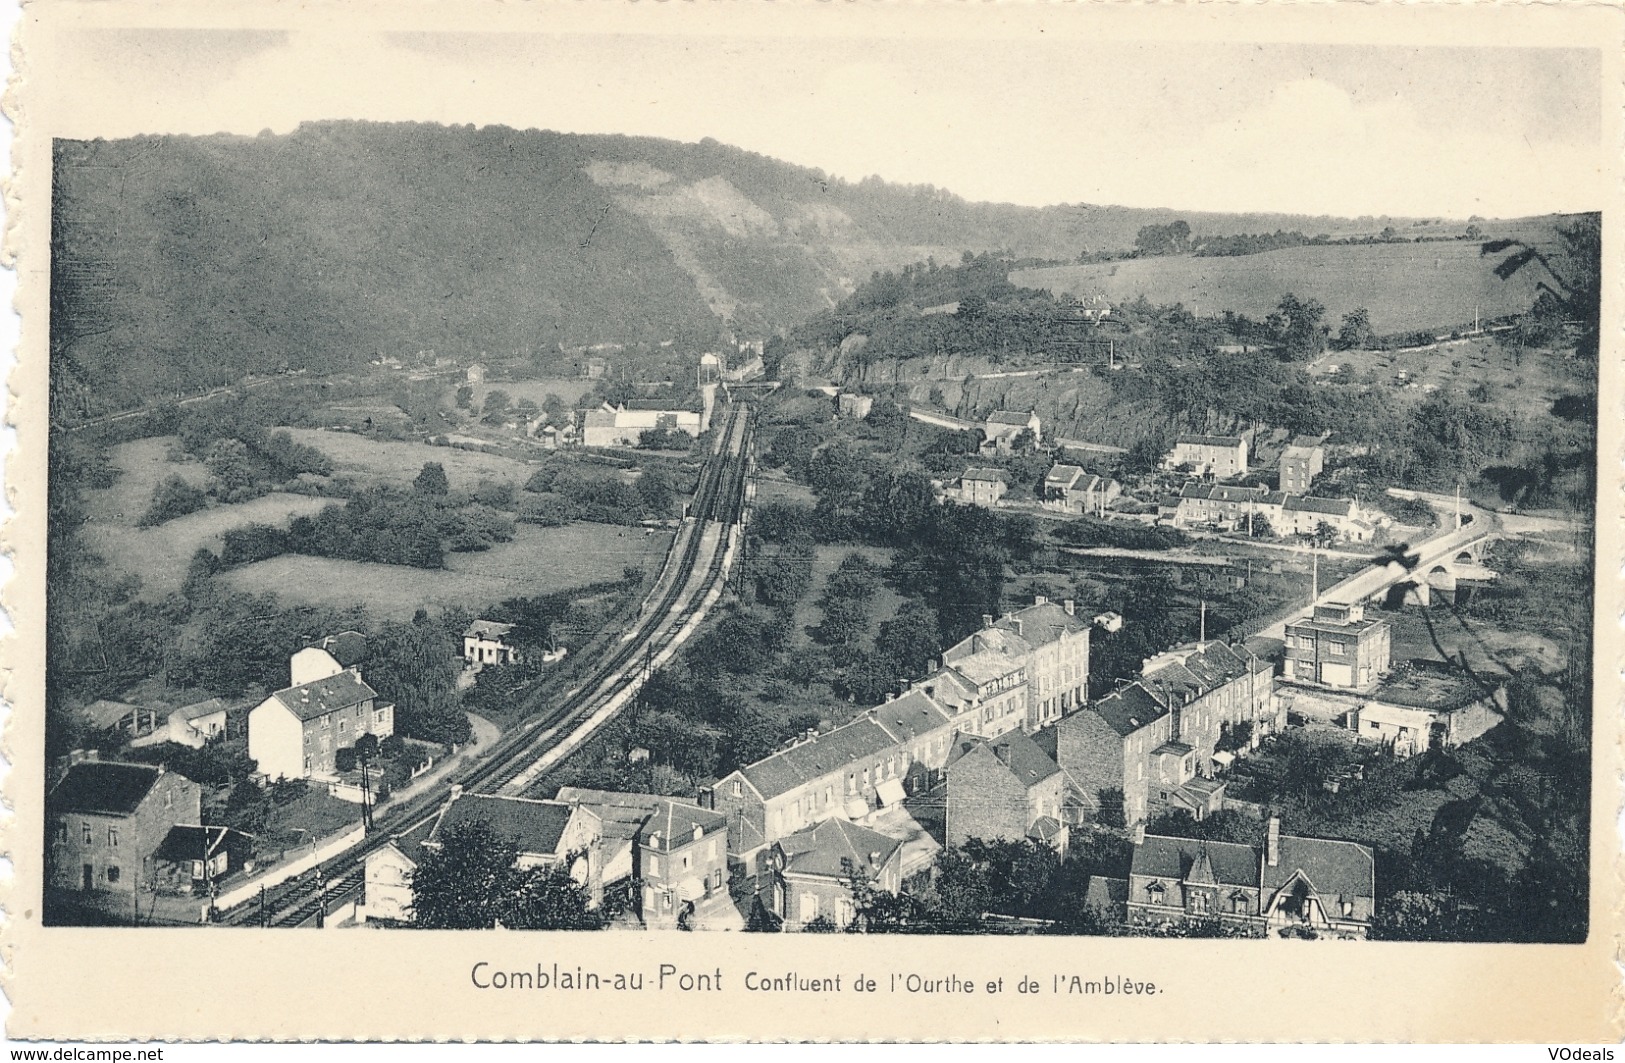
(697, 570)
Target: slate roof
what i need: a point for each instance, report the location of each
(1210, 441)
(186, 843)
(1337, 507)
(987, 666)
(948, 687)
(674, 822)
(1334, 868)
(988, 475)
(817, 757)
(910, 716)
(313, 700)
(1043, 624)
(1106, 893)
(621, 815)
(487, 629)
(349, 648)
(1044, 829)
(821, 849)
(536, 826)
(1062, 475)
(105, 714)
(1227, 863)
(1027, 762)
(1010, 417)
(198, 710)
(103, 787)
(1129, 709)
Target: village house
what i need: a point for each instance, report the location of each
(1004, 789)
(1107, 750)
(1004, 426)
(297, 732)
(485, 642)
(192, 725)
(1071, 490)
(106, 822)
(131, 721)
(845, 772)
(329, 656)
(1220, 457)
(617, 426)
(1289, 884)
(1209, 686)
(1338, 646)
(387, 882)
(992, 665)
(1347, 518)
(192, 858)
(979, 487)
(1229, 507)
(675, 850)
(1406, 730)
(809, 873)
(1301, 461)
(1058, 658)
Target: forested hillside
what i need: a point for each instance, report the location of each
(183, 262)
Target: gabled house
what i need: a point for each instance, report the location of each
(1057, 658)
(1288, 884)
(328, 657)
(1301, 461)
(993, 664)
(297, 732)
(1218, 456)
(107, 820)
(1003, 426)
(1071, 490)
(190, 725)
(546, 833)
(809, 873)
(980, 487)
(1004, 789)
(1106, 749)
(132, 721)
(486, 642)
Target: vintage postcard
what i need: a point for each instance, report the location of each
(795, 521)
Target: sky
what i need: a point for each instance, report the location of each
(1343, 130)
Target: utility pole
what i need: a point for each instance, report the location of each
(321, 898)
(1202, 629)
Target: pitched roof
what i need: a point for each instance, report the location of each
(105, 787)
(1129, 709)
(1210, 441)
(1043, 624)
(1001, 639)
(948, 688)
(104, 714)
(908, 717)
(1062, 475)
(1105, 892)
(621, 815)
(487, 629)
(1011, 417)
(310, 701)
(1017, 752)
(1334, 868)
(1338, 507)
(349, 648)
(1221, 863)
(1044, 829)
(200, 709)
(187, 843)
(986, 666)
(673, 823)
(785, 770)
(536, 826)
(829, 848)
(985, 475)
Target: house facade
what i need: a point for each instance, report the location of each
(683, 863)
(297, 732)
(1057, 661)
(1301, 462)
(1220, 457)
(617, 426)
(992, 665)
(1289, 884)
(979, 487)
(106, 822)
(809, 873)
(1337, 646)
(485, 642)
(1003, 426)
(1004, 789)
(1107, 747)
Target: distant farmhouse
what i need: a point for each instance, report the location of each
(485, 642)
(1003, 426)
(1071, 490)
(617, 426)
(979, 487)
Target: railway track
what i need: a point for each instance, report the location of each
(692, 577)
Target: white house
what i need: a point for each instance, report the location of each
(484, 643)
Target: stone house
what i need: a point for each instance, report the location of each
(1107, 747)
(809, 873)
(980, 487)
(1004, 789)
(1221, 457)
(1003, 426)
(1057, 658)
(992, 664)
(1301, 461)
(297, 732)
(107, 820)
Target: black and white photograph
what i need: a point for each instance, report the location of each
(997, 487)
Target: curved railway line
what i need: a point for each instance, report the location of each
(689, 582)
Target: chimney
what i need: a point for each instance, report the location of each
(1002, 751)
(1016, 620)
(987, 619)
(654, 839)
(456, 790)
(1272, 842)
(1070, 606)
(1039, 599)
(1136, 833)
(874, 857)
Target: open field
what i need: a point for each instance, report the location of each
(769, 488)
(537, 561)
(397, 462)
(160, 555)
(141, 465)
(567, 388)
(1404, 286)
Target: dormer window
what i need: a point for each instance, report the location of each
(1155, 892)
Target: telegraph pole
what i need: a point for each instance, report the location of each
(321, 898)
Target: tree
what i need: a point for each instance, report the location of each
(467, 881)
(432, 480)
(911, 638)
(553, 407)
(228, 461)
(495, 407)
(414, 666)
(1300, 329)
(1572, 282)
(654, 492)
(465, 397)
(1356, 333)
(172, 498)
